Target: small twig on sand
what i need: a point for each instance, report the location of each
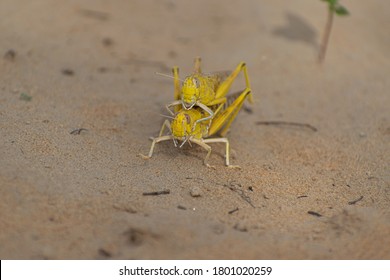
(288, 124)
(237, 188)
(355, 201)
(314, 213)
(78, 131)
(157, 192)
(234, 210)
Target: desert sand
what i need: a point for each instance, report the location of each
(79, 99)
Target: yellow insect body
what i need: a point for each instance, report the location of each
(183, 122)
(182, 127)
(204, 90)
(201, 109)
(199, 88)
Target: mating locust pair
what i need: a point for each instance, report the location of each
(201, 109)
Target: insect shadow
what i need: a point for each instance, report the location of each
(297, 29)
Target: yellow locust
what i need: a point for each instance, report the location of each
(182, 128)
(204, 90)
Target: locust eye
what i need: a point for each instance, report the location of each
(188, 118)
(195, 81)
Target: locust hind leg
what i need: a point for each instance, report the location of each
(240, 101)
(155, 141)
(224, 119)
(225, 86)
(197, 63)
(177, 87)
(206, 147)
(166, 124)
(159, 139)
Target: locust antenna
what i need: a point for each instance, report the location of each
(166, 116)
(166, 75)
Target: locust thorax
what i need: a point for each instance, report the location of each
(190, 91)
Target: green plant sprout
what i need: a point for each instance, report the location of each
(333, 8)
(24, 96)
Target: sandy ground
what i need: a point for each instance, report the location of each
(301, 194)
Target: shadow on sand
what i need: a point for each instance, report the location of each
(297, 29)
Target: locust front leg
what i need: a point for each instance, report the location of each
(219, 101)
(201, 105)
(173, 104)
(208, 110)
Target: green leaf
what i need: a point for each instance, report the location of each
(331, 3)
(25, 97)
(341, 11)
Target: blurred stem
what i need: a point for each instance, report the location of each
(325, 38)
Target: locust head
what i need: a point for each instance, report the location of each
(181, 127)
(190, 92)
